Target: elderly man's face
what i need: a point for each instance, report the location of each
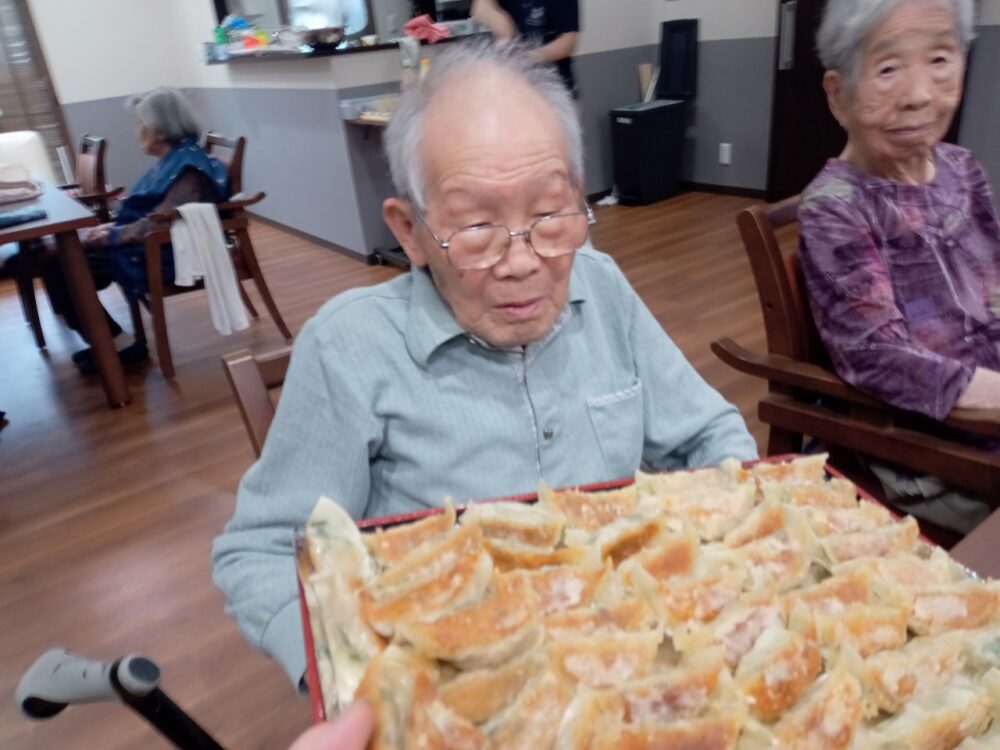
(909, 85)
(493, 153)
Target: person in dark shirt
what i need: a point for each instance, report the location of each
(552, 24)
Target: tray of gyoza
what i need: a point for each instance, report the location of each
(742, 607)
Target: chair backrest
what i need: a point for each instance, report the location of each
(788, 321)
(251, 378)
(90, 171)
(230, 152)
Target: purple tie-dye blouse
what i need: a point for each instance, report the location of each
(904, 281)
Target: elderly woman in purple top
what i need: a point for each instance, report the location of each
(900, 242)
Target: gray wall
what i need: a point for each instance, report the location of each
(110, 119)
(735, 82)
(981, 118)
(329, 180)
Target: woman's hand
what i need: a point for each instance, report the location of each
(96, 236)
(351, 731)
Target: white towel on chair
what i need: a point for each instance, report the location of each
(200, 253)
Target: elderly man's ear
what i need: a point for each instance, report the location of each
(833, 85)
(398, 216)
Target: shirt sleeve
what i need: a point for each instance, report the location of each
(319, 444)
(191, 186)
(866, 334)
(565, 16)
(687, 423)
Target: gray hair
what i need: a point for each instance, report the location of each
(847, 23)
(168, 112)
(404, 134)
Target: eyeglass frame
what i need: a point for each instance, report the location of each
(445, 245)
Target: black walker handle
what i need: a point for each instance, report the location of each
(59, 678)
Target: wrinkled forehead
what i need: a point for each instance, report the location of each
(490, 122)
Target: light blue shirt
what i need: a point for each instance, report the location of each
(389, 406)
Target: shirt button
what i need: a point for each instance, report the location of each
(547, 433)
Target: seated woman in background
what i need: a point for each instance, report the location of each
(900, 242)
(184, 173)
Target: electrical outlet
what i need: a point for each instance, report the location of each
(725, 153)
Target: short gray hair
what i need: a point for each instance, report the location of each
(168, 112)
(404, 135)
(847, 23)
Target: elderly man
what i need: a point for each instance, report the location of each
(513, 352)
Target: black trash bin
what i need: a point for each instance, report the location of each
(647, 142)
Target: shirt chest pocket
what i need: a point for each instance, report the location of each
(617, 421)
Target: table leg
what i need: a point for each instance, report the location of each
(95, 326)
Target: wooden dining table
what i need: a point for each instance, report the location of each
(979, 550)
(64, 217)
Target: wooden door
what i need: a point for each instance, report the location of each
(803, 132)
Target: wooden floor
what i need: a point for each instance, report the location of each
(107, 517)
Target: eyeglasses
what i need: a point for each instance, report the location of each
(480, 247)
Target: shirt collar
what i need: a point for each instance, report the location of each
(431, 324)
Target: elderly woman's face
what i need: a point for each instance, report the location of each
(909, 84)
(494, 153)
(149, 141)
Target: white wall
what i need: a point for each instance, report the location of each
(719, 19)
(104, 48)
(134, 45)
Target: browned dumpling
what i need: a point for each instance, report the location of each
(682, 692)
(592, 721)
(866, 516)
(805, 469)
(422, 586)
(867, 628)
(941, 719)
(519, 523)
(736, 629)
(533, 720)
(626, 537)
(589, 510)
(776, 672)
(430, 725)
(767, 518)
(825, 718)
(503, 623)
(629, 615)
(480, 694)
(672, 555)
(834, 594)
(560, 587)
(892, 678)
(836, 493)
(509, 556)
(390, 545)
(887, 540)
(710, 733)
(942, 607)
(605, 659)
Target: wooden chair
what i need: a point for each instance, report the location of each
(251, 378)
(235, 224)
(91, 184)
(805, 395)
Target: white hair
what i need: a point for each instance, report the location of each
(847, 23)
(168, 112)
(404, 136)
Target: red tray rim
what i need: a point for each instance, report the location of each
(367, 524)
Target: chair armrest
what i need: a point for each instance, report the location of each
(236, 203)
(794, 373)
